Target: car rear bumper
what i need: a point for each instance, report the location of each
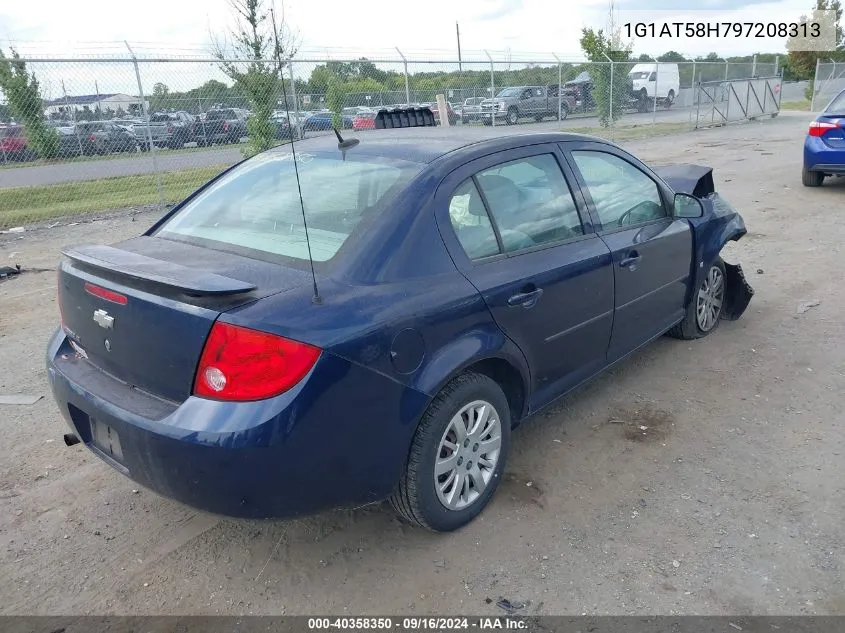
(339, 438)
(818, 156)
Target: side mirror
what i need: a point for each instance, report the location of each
(687, 206)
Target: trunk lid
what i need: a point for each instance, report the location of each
(142, 309)
(835, 136)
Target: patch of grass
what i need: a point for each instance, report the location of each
(803, 105)
(630, 132)
(20, 205)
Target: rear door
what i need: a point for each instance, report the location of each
(652, 251)
(520, 236)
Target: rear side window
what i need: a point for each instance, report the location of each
(621, 193)
(256, 206)
(531, 202)
(471, 223)
(837, 106)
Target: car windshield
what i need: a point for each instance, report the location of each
(256, 207)
(216, 115)
(837, 106)
(509, 92)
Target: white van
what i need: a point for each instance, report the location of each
(656, 81)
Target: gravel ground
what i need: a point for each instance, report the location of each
(729, 503)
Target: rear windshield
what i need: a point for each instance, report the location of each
(216, 115)
(256, 206)
(837, 106)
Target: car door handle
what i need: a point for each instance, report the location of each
(631, 261)
(525, 299)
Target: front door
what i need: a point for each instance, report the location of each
(515, 230)
(652, 251)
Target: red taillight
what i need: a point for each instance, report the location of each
(105, 293)
(170, 129)
(820, 128)
(241, 364)
(225, 126)
(92, 138)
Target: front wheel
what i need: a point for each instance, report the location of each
(457, 455)
(564, 112)
(705, 308)
(513, 116)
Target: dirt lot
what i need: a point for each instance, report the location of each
(729, 503)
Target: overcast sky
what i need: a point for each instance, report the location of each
(375, 27)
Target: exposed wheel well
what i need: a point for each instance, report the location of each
(509, 379)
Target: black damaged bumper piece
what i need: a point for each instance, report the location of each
(738, 292)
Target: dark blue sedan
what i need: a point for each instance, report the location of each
(461, 282)
(824, 146)
(321, 121)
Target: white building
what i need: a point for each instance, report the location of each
(103, 102)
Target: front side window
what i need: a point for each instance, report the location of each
(531, 202)
(621, 193)
(256, 207)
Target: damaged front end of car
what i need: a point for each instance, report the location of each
(719, 224)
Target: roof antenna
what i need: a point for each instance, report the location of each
(344, 145)
(316, 298)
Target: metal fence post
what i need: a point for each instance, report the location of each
(492, 91)
(780, 92)
(559, 88)
(777, 65)
(815, 83)
(726, 70)
(202, 120)
(73, 117)
(295, 121)
(407, 82)
(146, 112)
(5, 158)
(754, 66)
(656, 83)
(694, 93)
(698, 105)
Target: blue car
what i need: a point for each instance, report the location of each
(323, 121)
(824, 147)
(258, 353)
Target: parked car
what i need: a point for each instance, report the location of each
(537, 102)
(364, 121)
(435, 110)
(471, 110)
(652, 83)
(14, 144)
(323, 121)
(72, 142)
(580, 91)
(223, 125)
(104, 137)
(824, 146)
(168, 129)
(356, 110)
(453, 285)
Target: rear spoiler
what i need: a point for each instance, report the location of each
(182, 278)
(695, 180)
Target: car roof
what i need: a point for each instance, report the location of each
(426, 144)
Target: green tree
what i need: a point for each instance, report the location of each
(159, 98)
(23, 95)
(259, 37)
(334, 100)
(801, 62)
(607, 80)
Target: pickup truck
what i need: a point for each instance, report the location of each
(168, 129)
(222, 125)
(517, 102)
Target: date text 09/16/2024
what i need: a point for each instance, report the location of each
(420, 623)
(723, 29)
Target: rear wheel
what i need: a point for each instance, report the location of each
(538, 117)
(705, 308)
(811, 178)
(670, 99)
(457, 456)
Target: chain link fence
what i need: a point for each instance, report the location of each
(829, 81)
(128, 134)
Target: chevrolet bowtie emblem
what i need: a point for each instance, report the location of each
(103, 319)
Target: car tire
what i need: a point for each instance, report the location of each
(564, 112)
(702, 315)
(513, 116)
(487, 122)
(670, 99)
(419, 498)
(538, 118)
(811, 178)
